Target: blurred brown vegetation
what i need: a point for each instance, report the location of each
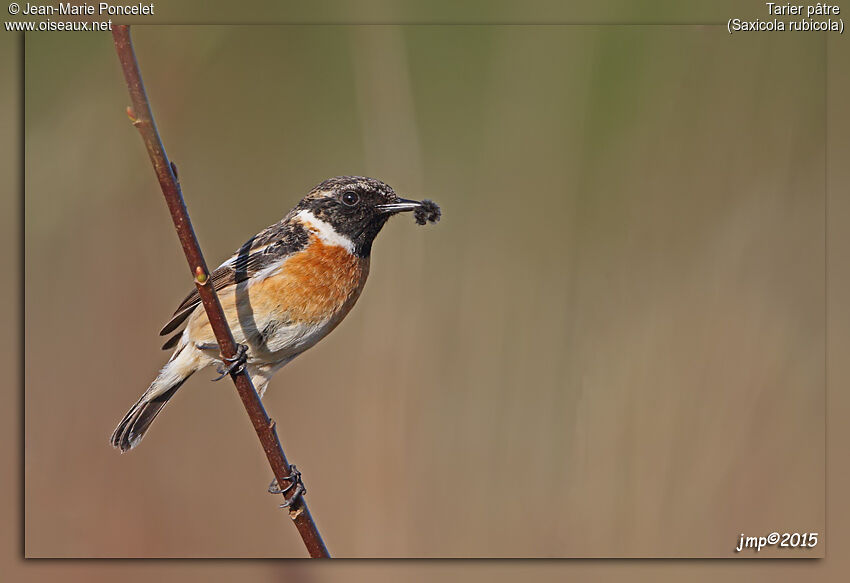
(612, 345)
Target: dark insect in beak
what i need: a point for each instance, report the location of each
(424, 211)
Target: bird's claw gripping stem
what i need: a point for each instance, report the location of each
(235, 364)
(296, 482)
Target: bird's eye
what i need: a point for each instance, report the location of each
(350, 198)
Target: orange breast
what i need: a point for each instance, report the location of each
(318, 283)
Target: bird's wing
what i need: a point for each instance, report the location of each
(270, 246)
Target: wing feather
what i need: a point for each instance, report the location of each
(272, 245)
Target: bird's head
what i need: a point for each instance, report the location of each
(356, 208)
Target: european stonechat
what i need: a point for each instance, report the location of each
(284, 290)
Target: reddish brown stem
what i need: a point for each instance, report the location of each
(142, 118)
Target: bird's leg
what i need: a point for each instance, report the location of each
(235, 364)
(297, 483)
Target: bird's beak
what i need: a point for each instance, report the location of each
(401, 205)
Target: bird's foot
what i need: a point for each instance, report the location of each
(235, 364)
(296, 482)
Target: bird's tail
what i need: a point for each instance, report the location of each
(138, 419)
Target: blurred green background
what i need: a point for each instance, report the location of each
(612, 344)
